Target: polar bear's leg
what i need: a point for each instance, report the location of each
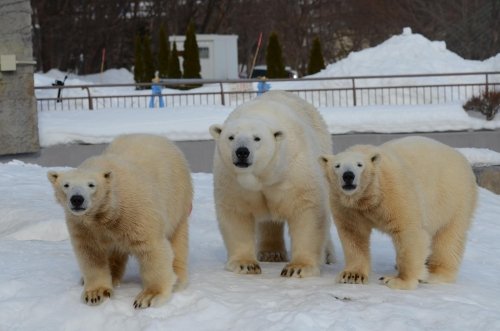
(238, 232)
(158, 277)
(355, 240)
(94, 266)
(271, 242)
(447, 250)
(117, 264)
(307, 233)
(412, 248)
(180, 245)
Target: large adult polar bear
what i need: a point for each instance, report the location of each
(419, 191)
(134, 199)
(265, 173)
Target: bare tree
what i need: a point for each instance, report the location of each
(70, 34)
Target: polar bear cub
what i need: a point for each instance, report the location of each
(265, 173)
(134, 199)
(419, 191)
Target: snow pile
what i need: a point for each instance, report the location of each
(407, 53)
(40, 282)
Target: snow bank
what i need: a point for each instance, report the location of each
(407, 53)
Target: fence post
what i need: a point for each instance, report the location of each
(222, 94)
(486, 83)
(91, 106)
(354, 92)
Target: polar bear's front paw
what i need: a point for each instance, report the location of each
(96, 296)
(278, 256)
(299, 270)
(148, 298)
(352, 277)
(397, 283)
(244, 267)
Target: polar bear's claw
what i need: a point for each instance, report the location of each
(352, 277)
(299, 271)
(94, 297)
(243, 267)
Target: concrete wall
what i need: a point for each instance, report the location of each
(18, 115)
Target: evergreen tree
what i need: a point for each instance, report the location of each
(316, 62)
(163, 54)
(274, 58)
(149, 67)
(138, 62)
(191, 65)
(174, 68)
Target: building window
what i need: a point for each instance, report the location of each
(204, 52)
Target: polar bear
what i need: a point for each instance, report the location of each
(419, 191)
(265, 174)
(135, 198)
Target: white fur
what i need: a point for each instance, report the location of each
(283, 135)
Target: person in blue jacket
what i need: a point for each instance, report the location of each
(156, 92)
(262, 86)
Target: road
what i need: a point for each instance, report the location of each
(200, 153)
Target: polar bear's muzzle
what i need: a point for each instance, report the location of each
(241, 157)
(78, 201)
(348, 181)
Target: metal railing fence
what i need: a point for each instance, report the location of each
(413, 89)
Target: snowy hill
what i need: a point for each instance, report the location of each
(407, 53)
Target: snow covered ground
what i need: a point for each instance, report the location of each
(191, 123)
(40, 282)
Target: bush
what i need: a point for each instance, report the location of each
(488, 104)
(274, 58)
(316, 62)
(138, 62)
(191, 65)
(163, 53)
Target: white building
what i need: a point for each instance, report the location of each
(218, 54)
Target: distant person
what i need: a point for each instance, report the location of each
(156, 92)
(263, 86)
(59, 83)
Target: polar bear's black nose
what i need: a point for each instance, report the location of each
(242, 153)
(348, 177)
(77, 200)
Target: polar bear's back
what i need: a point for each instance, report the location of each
(281, 107)
(146, 150)
(441, 174)
(428, 158)
(150, 168)
(421, 150)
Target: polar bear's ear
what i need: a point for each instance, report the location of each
(215, 131)
(52, 176)
(324, 160)
(107, 175)
(279, 135)
(375, 158)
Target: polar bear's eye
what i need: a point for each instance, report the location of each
(360, 164)
(337, 166)
(66, 185)
(231, 137)
(91, 185)
(256, 138)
